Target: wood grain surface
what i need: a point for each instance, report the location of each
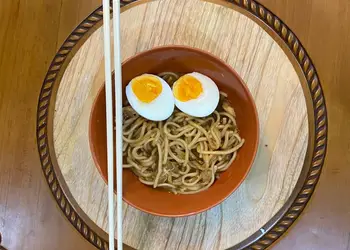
(30, 34)
(272, 81)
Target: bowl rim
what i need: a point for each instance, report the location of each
(251, 100)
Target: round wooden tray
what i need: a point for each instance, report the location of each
(279, 74)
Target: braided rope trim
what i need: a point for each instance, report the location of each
(42, 121)
(319, 110)
(320, 114)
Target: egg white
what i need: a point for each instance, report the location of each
(205, 103)
(159, 109)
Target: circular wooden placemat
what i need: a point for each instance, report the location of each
(291, 111)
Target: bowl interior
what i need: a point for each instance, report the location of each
(184, 60)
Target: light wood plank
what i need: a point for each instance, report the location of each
(279, 99)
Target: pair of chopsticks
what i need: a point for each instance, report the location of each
(109, 118)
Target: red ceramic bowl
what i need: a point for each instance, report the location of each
(182, 59)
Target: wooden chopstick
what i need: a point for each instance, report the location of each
(109, 119)
(119, 119)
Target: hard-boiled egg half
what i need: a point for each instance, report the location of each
(151, 97)
(196, 94)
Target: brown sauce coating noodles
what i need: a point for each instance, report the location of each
(183, 154)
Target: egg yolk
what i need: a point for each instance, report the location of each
(146, 88)
(187, 88)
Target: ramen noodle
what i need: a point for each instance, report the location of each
(182, 154)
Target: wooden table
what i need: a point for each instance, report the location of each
(30, 36)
